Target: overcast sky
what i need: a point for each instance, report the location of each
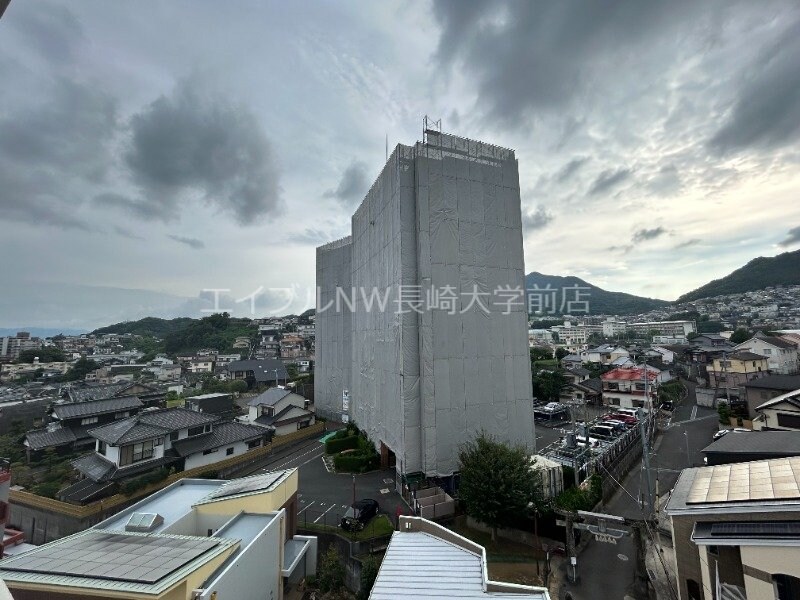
(172, 147)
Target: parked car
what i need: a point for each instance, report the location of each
(359, 514)
(722, 432)
(603, 432)
(620, 417)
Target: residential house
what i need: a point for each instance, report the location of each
(782, 355)
(292, 346)
(781, 413)
(756, 391)
(304, 365)
(198, 539)
(150, 395)
(224, 359)
(171, 437)
(736, 530)
(625, 387)
(281, 410)
(426, 560)
(73, 420)
(604, 354)
(204, 364)
(730, 371)
(666, 355)
(571, 361)
(219, 404)
(268, 371)
(757, 445)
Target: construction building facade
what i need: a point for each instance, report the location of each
(421, 320)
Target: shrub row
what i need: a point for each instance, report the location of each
(133, 485)
(356, 462)
(337, 444)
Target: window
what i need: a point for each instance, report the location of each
(725, 364)
(88, 420)
(101, 447)
(767, 351)
(786, 587)
(173, 436)
(159, 442)
(228, 451)
(134, 453)
(209, 451)
(789, 420)
(121, 415)
(254, 444)
(195, 431)
(303, 424)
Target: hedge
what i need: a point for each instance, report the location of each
(336, 445)
(356, 462)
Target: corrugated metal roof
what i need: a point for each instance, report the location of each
(421, 565)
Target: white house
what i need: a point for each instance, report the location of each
(281, 410)
(625, 387)
(781, 413)
(172, 437)
(201, 365)
(781, 354)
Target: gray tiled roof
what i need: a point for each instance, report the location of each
(39, 439)
(150, 424)
(283, 416)
(74, 410)
(96, 392)
(94, 466)
(786, 383)
(757, 442)
(127, 431)
(263, 370)
(269, 398)
(223, 434)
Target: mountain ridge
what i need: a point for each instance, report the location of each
(757, 274)
(599, 301)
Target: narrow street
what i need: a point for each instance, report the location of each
(606, 571)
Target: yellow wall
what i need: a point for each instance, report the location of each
(772, 560)
(254, 503)
(742, 366)
(194, 581)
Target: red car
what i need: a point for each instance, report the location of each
(624, 418)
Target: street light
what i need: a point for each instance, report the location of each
(688, 457)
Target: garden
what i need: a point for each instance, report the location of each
(352, 451)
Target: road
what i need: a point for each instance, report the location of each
(605, 571)
(325, 496)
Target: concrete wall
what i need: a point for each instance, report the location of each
(333, 367)
(200, 460)
(256, 571)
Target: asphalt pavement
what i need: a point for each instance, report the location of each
(606, 571)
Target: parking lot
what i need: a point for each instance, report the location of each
(325, 496)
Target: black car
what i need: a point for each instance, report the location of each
(359, 514)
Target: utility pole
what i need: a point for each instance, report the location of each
(646, 463)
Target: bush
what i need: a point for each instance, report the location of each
(331, 571)
(575, 498)
(337, 444)
(134, 485)
(48, 489)
(356, 462)
(369, 572)
(724, 412)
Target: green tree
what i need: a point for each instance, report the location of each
(740, 335)
(330, 571)
(541, 353)
(369, 572)
(497, 482)
(547, 385)
(80, 369)
(561, 353)
(724, 412)
(46, 354)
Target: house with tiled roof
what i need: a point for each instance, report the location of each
(71, 422)
(781, 354)
(280, 410)
(173, 437)
(625, 387)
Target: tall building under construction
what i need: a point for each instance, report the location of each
(421, 339)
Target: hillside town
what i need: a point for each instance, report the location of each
(419, 389)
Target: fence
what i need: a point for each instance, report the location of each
(118, 500)
(433, 503)
(374, 536)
